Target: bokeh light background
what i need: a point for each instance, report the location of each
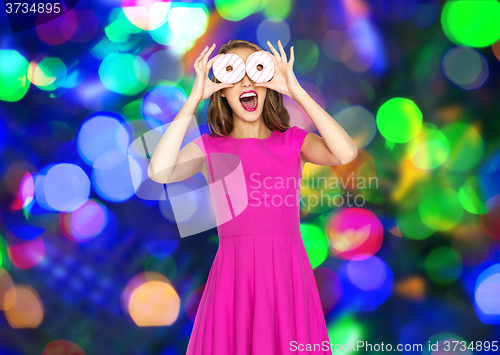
(87, 267)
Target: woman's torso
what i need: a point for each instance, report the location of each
(255, 183)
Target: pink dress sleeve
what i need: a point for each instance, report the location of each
(200, 142)
(299, 134)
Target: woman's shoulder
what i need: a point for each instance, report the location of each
(296, 135)
(207, 140)
(205, 137)
(200, 142)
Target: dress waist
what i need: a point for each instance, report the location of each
(262, 220)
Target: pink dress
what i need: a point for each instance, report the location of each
(261, 297)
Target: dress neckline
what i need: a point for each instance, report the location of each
(258, 139)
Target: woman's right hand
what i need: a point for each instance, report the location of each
(203, 87)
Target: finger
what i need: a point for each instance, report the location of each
(229, 85)
(205, 57)
(263, 85)
(278, 59)
(220, 86)
(211, 61)
(282, 51)
(202, 52)
(200, 56)
(272, 55)
(292, 56)
(274, 60)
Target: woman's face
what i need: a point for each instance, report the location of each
(249, 109)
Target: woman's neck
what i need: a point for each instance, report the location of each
(256, 129)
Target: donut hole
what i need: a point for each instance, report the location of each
(260, 67)
(229, 68)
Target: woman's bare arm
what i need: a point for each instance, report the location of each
(168, 163)
(189, 162)
(335, 146)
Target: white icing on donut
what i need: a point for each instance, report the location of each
(225, 61)
(264, 59)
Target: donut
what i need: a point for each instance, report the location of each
(260, 67)
(229, 68)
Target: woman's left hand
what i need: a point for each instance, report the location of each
(284, 80)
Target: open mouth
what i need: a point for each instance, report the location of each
(249, 100)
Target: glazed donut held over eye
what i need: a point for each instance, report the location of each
(229, 68)
(260, 67)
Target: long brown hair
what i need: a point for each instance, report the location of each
(220, 114)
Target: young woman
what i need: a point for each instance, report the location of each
(261, 296)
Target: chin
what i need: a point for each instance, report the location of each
(251, 116)
(250, 119)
